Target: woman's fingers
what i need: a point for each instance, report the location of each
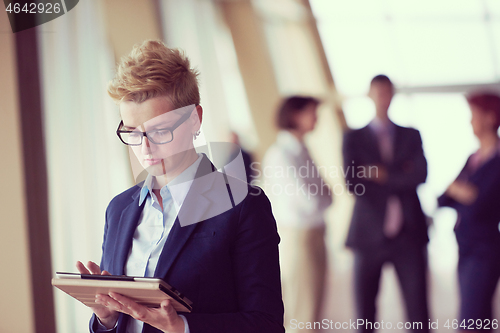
(94, 268)
(107, 315)
(109, 301)
(163, 318)
(128, 306)
(169, 310)
(81, 268)
(174, 323)
(91, 268)
(102, 299)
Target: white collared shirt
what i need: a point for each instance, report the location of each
(154, 226)
(377, 126)
(298, 194)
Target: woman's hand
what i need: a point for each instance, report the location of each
(464, 193)
(164, 318)
(107, 316)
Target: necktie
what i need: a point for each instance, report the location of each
(385, 144)
(393, 220)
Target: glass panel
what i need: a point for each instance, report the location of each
(358, 111)
(493, 7)
(494, 35)
(444, 53)
(347, 10)
(357, 52)
(438, 43)
(442, 10)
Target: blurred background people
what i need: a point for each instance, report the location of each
(299, 198)
(247, 157)
(384, 163)
(475, 195)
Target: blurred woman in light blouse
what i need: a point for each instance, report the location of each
(475, 195)
(299, 198)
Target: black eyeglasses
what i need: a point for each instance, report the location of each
(158, 136)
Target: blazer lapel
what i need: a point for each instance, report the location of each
(370, 141)
(398, 142)
(128, 223)
(179, 235)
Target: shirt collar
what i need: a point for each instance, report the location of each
(378, 125)
(178, 187)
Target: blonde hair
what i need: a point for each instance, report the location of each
(152, 70)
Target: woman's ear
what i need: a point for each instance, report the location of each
(196, 118)
(199, 111)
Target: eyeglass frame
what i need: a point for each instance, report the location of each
(145, 134)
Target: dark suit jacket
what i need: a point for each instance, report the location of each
(227, 264)
(407, 170)
(477, 225)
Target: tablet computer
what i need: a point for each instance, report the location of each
(144, 290)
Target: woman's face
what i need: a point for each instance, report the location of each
(306, 120)
(156, 113)
(482, 122)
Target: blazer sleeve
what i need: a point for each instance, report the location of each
(256, 269)
(349, 156)
(351, 161)
(444, 200)
(486, 203)
(354, 163)
(94, 326)
(488, 187)
(413, 170)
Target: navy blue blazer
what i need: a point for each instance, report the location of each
(407, 170)
(227, 264)
(478, 223)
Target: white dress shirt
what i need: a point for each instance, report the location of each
(298, 194)
(154, 226)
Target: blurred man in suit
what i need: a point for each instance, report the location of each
(384, 163)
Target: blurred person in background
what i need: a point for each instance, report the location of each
(299, 198)
(186, 223)
(384, 163)
(247, 157)
(475, 195)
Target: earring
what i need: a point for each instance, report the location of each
(195, 135)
